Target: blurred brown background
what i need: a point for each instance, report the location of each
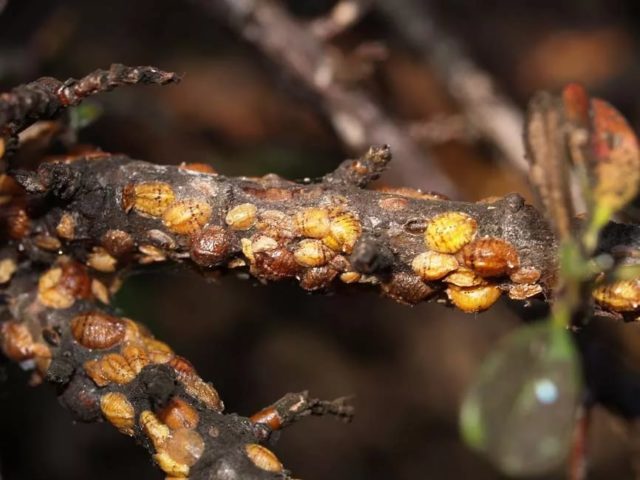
(407, 367)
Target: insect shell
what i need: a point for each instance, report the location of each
(491, 257)
(187, 217)
(242, 217)
(100, 260)
(194, 385)
(620, 296)
(344, 231)
(312, 253)
(60, 286)
(118, 411)
(407, 288)
(522, 291)
(473, 299)
(154, 429)
(318, 278)
(150, 198)
(211, 246)
(117, 242)
(263, 458)
(136, 357)
(449, 232)
(276, 264)
(464, 277)
(66, 227)
(97, 330)
(185, 447)
(313, 222)
(433, 265)
(111, 368)
(179, 414)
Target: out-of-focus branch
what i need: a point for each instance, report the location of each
(47, 97)
(358, 120)
(490, 112)
(343, 15)
(109, 367)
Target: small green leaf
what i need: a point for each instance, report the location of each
(84, 115)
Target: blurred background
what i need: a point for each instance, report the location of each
(452, 77)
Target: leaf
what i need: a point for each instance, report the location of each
(520, 410)
(547, 155)
(616, 160)
(84, 115)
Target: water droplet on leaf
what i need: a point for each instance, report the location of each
(520, 410)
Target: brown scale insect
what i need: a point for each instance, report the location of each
(312, 222)
(407, 288)
(242, 217)
(268, 416)
(344, 231)
(211, 246)
(149, 198)
(433, 265)
(60, 286)
(473, 299)
(111, 368)
(450, 231)
(179, 414)
(117, 243)
(318, 278)
(263, 458)
(619, 296)
(276, 264)
(187, 217)
(490, 257)
(118, 411)
(97, 330)
(312, 253)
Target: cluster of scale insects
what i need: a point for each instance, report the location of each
(313, 244)
(118, 350)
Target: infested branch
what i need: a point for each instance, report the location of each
(112, 212)
(107, 367)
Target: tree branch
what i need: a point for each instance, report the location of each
(108, 367)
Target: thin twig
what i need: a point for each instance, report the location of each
(491, 113)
